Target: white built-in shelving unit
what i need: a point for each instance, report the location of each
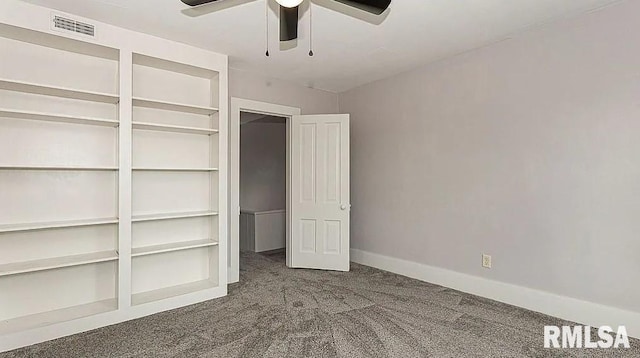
(112, 152)
(175, 180)
(58, 179)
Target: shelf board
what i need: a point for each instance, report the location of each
(148, 169)
(51, 117)
(171, 66)
(56, 224)
(38, 320)
(170, 216)
(56, 263)
(170, 128)
(169, 292)
(174, 246)
(53, 168)
(54, 91)
(172, 106)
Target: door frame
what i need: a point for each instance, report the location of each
(245, 105)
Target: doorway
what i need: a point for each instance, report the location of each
(263, 169)
(317, 187)
(261, 112)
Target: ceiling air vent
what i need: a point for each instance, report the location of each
(66, 24)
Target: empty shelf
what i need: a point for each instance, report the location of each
(170, 128)
(24, 323)
(172, 106)
(147, 169)
(51, 117)
(26, 167)
(54, 91)
(56, 263)
(173, 291)
(56, 224)
(174, 246)
(170, 216)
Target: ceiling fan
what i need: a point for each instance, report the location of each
(289, 12)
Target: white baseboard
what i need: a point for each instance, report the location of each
(567, 308)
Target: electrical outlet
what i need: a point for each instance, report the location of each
(486, 261)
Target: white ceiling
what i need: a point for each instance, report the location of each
(348, 52)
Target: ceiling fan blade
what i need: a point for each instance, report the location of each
(198, 2)
(204, 7)
(288, 23)
(376, 7)
(342, 7)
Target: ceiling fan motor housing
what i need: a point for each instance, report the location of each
(288, 23)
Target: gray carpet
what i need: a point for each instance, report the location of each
(279, 312)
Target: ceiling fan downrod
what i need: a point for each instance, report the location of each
(266, 16)
(310, 31)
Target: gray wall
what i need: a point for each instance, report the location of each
(257, 87)
(528, 150)
(263, 167)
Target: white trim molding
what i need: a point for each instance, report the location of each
(563, 307)
(245, 105)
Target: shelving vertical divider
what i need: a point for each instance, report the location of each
(125, 112)
(223, 178)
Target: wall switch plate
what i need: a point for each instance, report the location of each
(486, 261)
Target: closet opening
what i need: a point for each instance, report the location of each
(263, 183)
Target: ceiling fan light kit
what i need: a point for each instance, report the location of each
(289, 14)
(289, 3)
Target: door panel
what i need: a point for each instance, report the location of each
(333, 237)
(308, 163)
(333, 162)
(307, 236)
(320, 202)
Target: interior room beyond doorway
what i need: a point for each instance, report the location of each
(263, 182)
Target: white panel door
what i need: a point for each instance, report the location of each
(320, 202)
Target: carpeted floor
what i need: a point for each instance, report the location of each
(279, 312)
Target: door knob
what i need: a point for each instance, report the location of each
(343, 207)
